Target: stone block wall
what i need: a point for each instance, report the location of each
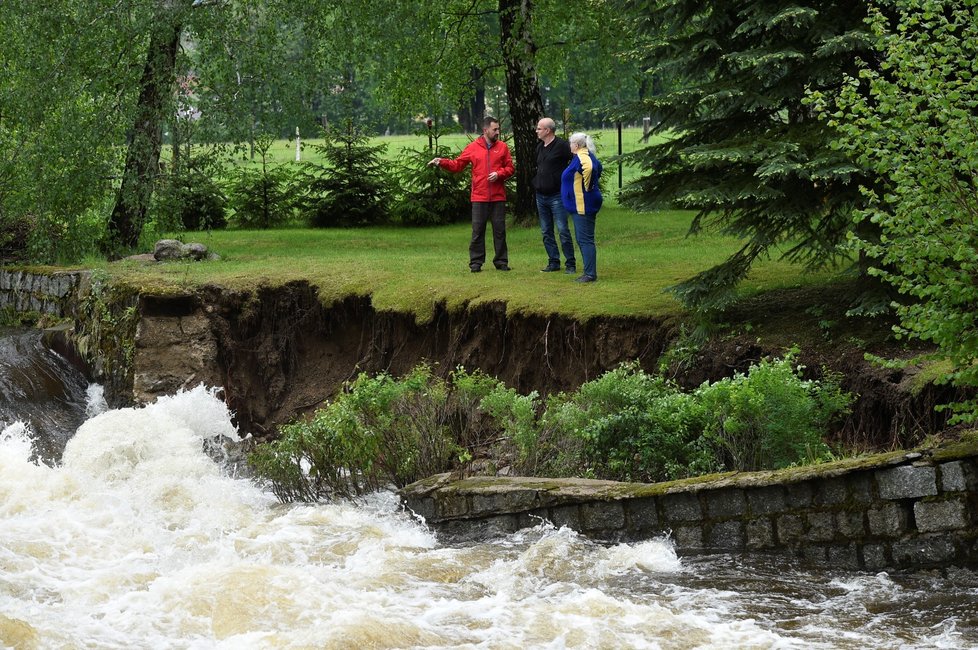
(894, 511)
(54, 293)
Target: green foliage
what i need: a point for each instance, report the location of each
(351, 187)
(515, 416)
(913, 122)
(15, 233)
(260, 196)
(380, 430)
(61, 118)
(625, 425)
(746, 152)
(188, 198)
(770, 417)
(429, 197)
(632, 426)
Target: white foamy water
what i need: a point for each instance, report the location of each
(139, 540)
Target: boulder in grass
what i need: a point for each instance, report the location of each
(173, 249)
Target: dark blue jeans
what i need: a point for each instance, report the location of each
(584, 230)
(552, 213)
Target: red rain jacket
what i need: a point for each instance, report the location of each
(484, 160)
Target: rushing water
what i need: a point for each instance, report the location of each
(138, 539)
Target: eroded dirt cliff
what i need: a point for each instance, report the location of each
(279, 353)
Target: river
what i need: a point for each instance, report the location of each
(121, 532)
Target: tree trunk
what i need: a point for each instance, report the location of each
(525, 100)
(471, 114)
(146, 140)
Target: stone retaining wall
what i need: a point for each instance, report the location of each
(43, 293)
(890, 511)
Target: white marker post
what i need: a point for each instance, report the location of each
(298, 150)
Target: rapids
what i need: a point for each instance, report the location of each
(137, 538)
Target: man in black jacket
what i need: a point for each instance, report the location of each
(553, 154)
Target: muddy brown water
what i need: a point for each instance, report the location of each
(136, 538)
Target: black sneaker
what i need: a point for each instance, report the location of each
(586, 278)
(503, 268)
(550, 268)
(571, 270)
(475, 269)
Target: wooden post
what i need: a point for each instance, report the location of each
(619, 154)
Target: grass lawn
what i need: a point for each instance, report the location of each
(639, 255)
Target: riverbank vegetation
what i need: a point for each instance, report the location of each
(788, 138)
(626, 425)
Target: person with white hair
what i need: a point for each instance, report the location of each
(553, 155)
(582, 198)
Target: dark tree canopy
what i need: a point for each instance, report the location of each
(744, 148)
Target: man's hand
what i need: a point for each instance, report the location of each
(493, 176)
(434, 162)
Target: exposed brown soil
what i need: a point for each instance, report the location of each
(282, 353)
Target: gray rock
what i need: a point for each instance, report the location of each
(196, 251)
(172, 249)
(940, 515)
(889, 520)
(682, 507)
(725, 503)
(726, 535)
(168, 249)
(760, 534)
(953, 477)
(926, 549)
(602, 516)
(907, 482)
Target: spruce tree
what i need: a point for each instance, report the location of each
(352, 187)
(743, 147)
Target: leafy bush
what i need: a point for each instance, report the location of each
(633, 426)
(625, 425)
(474, 429)
(187, 197)
(913, 123)
(191, 200)
(352, 188)
(429, 196)
(515, 416)
(378, 431)
(15, 234)
(261, 196)
(770, 417)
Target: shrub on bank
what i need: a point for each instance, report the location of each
(625, 425)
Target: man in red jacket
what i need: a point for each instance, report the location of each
(491, 164)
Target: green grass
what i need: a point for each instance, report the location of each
(411, 270)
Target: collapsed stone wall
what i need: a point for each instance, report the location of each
(893, 511)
